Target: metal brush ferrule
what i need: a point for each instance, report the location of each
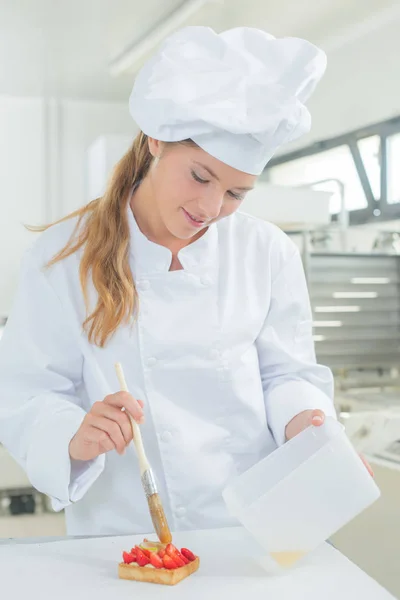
(149, 483)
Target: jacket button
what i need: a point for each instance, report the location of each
(206, 280)
(166, 436)
(151, 362)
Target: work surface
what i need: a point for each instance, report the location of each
(87, 568)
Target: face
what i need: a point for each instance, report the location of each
(192, 189)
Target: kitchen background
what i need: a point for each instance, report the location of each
(66, 72)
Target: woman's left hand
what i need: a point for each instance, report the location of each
(316, 418)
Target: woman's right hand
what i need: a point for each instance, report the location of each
(106, 427)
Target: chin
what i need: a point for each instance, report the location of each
(182, 231)
(180, 234)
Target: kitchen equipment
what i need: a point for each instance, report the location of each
(302, 493)
(149, 485)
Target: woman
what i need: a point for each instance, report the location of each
(206, 308)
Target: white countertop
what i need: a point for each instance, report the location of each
(229, 569)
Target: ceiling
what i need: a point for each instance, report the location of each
(63, 48)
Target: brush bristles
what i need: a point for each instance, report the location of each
(159, 519)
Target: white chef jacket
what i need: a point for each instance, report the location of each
(221, 353)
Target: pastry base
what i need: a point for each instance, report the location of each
(162, 576)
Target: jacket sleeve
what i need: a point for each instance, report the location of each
(291, 378)
(40, 371)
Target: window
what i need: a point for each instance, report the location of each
(332, 170)
(370, 150)
(360, 169)
(393, 158)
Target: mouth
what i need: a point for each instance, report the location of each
(193, 220)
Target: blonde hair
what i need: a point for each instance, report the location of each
(102, 230)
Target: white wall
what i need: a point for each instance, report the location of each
(102, 156)
(43, 168)
(361, 86)
(82, 123)
(22, 184)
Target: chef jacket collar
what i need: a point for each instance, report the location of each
(150, 258)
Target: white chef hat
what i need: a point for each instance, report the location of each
(238, 95)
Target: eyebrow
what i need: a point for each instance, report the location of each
(245, 189)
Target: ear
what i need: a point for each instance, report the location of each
(155, 147)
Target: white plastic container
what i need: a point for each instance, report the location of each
(302, 493)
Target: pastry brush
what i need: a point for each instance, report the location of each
(148, 482)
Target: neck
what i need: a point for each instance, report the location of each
(149, 221)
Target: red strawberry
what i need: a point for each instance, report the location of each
(145, 552)
(174, 553)
(169, 563)
(133, 552)
(156, 561)
(161, 553)
(178, 560)
(188, 554)
(141, 558)
(185, 560)
(128, 558)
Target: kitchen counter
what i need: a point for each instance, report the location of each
(82, 568)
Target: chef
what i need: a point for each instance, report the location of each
(205, 307)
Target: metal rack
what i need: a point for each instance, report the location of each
(356, 310)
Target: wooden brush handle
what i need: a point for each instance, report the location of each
(137, 436)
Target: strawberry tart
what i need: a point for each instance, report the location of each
(153, 562)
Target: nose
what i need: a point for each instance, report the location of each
(210, 205)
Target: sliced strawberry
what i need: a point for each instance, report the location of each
(161, 553)
(178, 560)
(171, 550)
(188, 554)
(169, 563)
(133, 552)
(156, 561)
(174, 553)
(185, 560)
(128, 558)
(145, 551)
(141, 558)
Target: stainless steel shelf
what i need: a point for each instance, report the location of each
(355, 332)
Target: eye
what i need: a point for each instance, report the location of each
(198, 178)
(236, 196)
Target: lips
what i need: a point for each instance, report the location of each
(194, 219)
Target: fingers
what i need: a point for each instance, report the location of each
(99, 438)
(304, 419)
(112, 422)
(109, 427)
(317, 418)
(113, 413)
(128, 402)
